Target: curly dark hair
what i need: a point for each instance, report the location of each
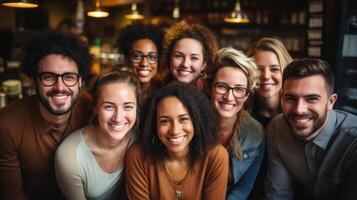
(195, 31)
(202, 115)
(139, 31)
(49, 42)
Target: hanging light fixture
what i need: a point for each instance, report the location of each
(237, 15)
(20, 3)
(135, 15)
(98, 12)
(176, 10)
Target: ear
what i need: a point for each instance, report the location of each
(80, 82)
(331, 101)
(204, 66)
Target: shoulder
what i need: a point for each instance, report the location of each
(69, 146)
(217, 152)
(347, 121)
(19, 108)
(277, 126)
(253, 131)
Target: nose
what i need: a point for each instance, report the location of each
(186, 63)
(300, 107)
(145, 61)
(229, 95)
(175, 128)
(59, 84)
(117, 116)
(265, 74)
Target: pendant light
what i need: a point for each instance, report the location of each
(237, 16)
(20, 3)
(176, 10)
(98, 12)
(134, 15)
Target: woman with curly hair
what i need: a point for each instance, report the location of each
(189, 50)
(232, 80)
(271, 57)
(178, 157)
(142, 45)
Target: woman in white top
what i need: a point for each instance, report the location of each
(89, 163)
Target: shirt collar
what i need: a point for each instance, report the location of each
(324, 136)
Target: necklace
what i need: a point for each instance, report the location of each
(177, 185)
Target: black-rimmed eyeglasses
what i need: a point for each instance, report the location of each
(50, 78)
(238, 92)
(138, 57)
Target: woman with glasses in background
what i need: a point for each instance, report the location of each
(89, 163)
(232, 79)
(142, 44)
(188, 52)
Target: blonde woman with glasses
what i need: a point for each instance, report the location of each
(232, 80)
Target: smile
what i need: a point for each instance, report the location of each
(117, 127)
(143, 72)
(176, 140)
(226, 106)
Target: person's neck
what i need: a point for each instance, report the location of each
(226, 128)
(58, 121)
(269, 107)
(317, 132)
(179, 157)
(145, 86)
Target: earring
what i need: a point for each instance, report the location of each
(203, 74)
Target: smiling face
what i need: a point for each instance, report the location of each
(116, 108)
(187, 60)
(306, 104)
(227, 105)
(270, 75)
(144, 70)
(59, 98)
(174, 126)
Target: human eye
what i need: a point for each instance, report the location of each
(289, 98)
(136, 55)
(164, 121)
(275, 69)
(129, 107)
(184, 119)
(48, 76)
(312, 99)
(109, 107)
(240, 89)
(70, 77)
(152, 57)
(222, 86)
(178, 55)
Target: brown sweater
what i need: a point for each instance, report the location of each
(207, 180)
(27, 147)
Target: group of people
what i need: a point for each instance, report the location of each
(181, 119)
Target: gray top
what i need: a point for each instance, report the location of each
(290, 158)
(78, 174)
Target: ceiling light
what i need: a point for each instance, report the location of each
(134, 15)
(98, 12)
(237, 16)
(20, 3)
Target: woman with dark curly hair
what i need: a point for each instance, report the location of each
(142, 45)
(178, 157)
(189, 50)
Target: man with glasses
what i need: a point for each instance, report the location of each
(31, 129)
(312, 148)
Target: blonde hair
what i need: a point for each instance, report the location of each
(272, 45)
(235, 58)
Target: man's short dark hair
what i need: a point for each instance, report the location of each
(302, 68)
(203, 120)
(49, 42)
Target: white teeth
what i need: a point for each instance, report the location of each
(227, 106)
(184, 73)
(143, 72)
(301, 120)
(117, 127)
(266, 85)
(59, 97)
(176, 140)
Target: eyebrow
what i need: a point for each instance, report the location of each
(192, 54)
(182, 115)
(236, 85)
(126, 103)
